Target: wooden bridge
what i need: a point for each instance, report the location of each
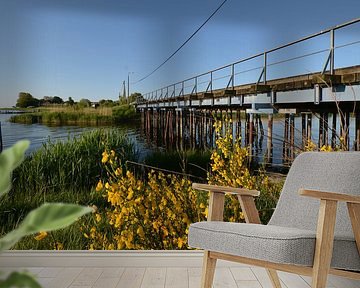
(332, 93)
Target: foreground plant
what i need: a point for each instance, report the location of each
(230, 167)
(151, 214)
(155, 213)
(46, 218)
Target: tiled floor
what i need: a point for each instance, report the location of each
(139, 271)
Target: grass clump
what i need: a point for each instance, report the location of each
(77, 116)
(61, 171)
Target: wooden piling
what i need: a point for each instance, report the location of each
(308, 128)
(357, 131)
(321, 130)
(269, 146)
(251, 133)
(292, 137)
(333, 131)
(205, 129)
(303, 129)
(286, 139)
(238, 123)
(326, 128)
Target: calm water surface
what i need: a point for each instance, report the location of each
(39, 134)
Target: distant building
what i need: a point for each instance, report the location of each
(95, 104)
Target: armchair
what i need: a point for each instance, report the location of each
(312, 232)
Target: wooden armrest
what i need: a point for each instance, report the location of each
(226, 189)
(324, 195)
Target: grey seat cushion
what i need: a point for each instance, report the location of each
(270, 243)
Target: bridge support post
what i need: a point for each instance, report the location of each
(308, 128)
(155, 125)
(238, 123)
(292, 137)
(179, 127)
(269, 144)
(323, 129)
(148, 123)
(357, 131)
(303, 129)
(326, 128)
(286, 139)
(251, 134)
(333, 131)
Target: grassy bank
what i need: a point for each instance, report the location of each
(61, 172)
(68, 115)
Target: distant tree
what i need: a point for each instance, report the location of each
(84, 103)
(25, 100)
(57, 100)
(107, 103)
(70, 101)
(134, 96)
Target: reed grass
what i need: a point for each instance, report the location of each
(60, 115)
(62, 172)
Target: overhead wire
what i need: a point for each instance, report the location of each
(182, 45)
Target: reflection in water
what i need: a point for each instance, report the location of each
(172, 130)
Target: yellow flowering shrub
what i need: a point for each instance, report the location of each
(151, 214)
(155, 213)
(311, 146)
(230, 167)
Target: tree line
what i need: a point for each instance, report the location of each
(26, 100)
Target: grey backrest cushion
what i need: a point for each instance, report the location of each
(335, 171)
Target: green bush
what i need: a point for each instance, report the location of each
(124, 112)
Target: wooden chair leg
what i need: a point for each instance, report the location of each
(354, 212)
(324, 243)
(274, 278)
(208, 270)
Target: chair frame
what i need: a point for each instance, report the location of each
(324, 234)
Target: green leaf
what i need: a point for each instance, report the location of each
(10, 159)
(19, 279)
(52, 217)
(7, 241)
(47, 217)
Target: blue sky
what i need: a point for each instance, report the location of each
(86, 48)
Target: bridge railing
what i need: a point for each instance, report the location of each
(218, 78)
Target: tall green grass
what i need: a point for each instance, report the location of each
(62, 172)
(72, 116)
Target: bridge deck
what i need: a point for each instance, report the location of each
(290, 92)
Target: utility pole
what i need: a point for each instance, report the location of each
(128, 95)
(124, 89)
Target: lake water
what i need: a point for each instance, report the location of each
(39, 134)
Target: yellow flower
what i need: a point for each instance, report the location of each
(105, 157)
(140, 232)
(99, 186)
(58, 246)
(98, 217)
(118, 172)
(41, 235)
(181, 242)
